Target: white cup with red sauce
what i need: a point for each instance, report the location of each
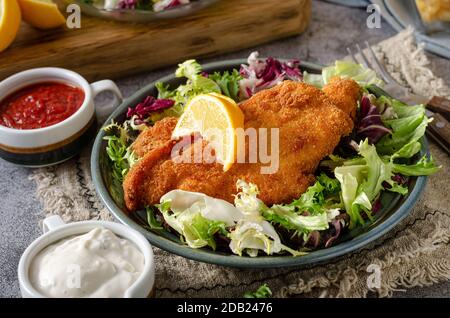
(48, 114)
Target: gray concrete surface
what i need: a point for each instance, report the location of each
(332, 29)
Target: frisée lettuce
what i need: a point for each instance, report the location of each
(312, 211)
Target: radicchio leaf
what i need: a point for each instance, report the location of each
(376, 205)
(149, 105)
(127, 4)
(313, 239)
(337, 231)
(370, 125)
(399, 179)
(259, 75)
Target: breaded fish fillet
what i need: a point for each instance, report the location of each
(311, 123)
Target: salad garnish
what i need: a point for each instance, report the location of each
(381, 155)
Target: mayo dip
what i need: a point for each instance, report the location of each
(95, 264)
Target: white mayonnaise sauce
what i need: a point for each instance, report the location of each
(95, 264)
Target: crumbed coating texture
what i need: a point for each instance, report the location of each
(311, 123)
(343, 93)
(155, 137)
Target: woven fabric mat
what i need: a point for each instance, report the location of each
(415, 253)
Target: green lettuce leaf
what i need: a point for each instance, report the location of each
(253, 233)
(361, 184)
(350, 178)
(287, 217)
(196, 84)
(395, 187)
(376, 171)
(196, 230)
(198, 217)
(424, 167)
(228, 83)
(362, 179)
(189, 69)
(408, 127)
(153, 223)
(345, 69)
(313, 201)
(313, 79)
(118, 150)
(262, 292)
(331, 185)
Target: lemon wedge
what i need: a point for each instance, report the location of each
(42, 14)
(216, 118)
(9, 22)
(225, 98)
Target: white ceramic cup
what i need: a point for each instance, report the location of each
(38, 144)
(55, 230)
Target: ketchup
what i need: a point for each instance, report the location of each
(40, 105)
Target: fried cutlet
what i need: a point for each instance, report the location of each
(311, 123)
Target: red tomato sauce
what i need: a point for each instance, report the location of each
(40, 105)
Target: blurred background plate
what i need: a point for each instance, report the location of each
(141, 16)
(399, 15)
(351, 3)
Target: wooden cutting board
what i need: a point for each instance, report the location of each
(108, 49)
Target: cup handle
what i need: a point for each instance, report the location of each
(106, 85)
(51, 223)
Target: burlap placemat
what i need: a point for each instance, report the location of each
(414, 253)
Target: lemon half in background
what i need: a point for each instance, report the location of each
(10, 18)
(41, 14)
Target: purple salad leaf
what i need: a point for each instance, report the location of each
(127, 4)
(337, 231)
(259, 74)
(313, 240)
(376, 205)
(370, 125)
(149, 105)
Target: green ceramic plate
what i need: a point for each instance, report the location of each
(395, 207)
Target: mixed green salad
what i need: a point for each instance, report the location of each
(151, 5)
(381, 155)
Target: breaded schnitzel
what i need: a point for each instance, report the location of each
(311, 123)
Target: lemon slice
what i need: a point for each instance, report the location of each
(9, 22)
(216, 118)
(42, 14)
(226, 98)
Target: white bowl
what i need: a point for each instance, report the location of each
(55, 230)
(59, 142)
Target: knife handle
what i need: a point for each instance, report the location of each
(440, 105)
(439, 130)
